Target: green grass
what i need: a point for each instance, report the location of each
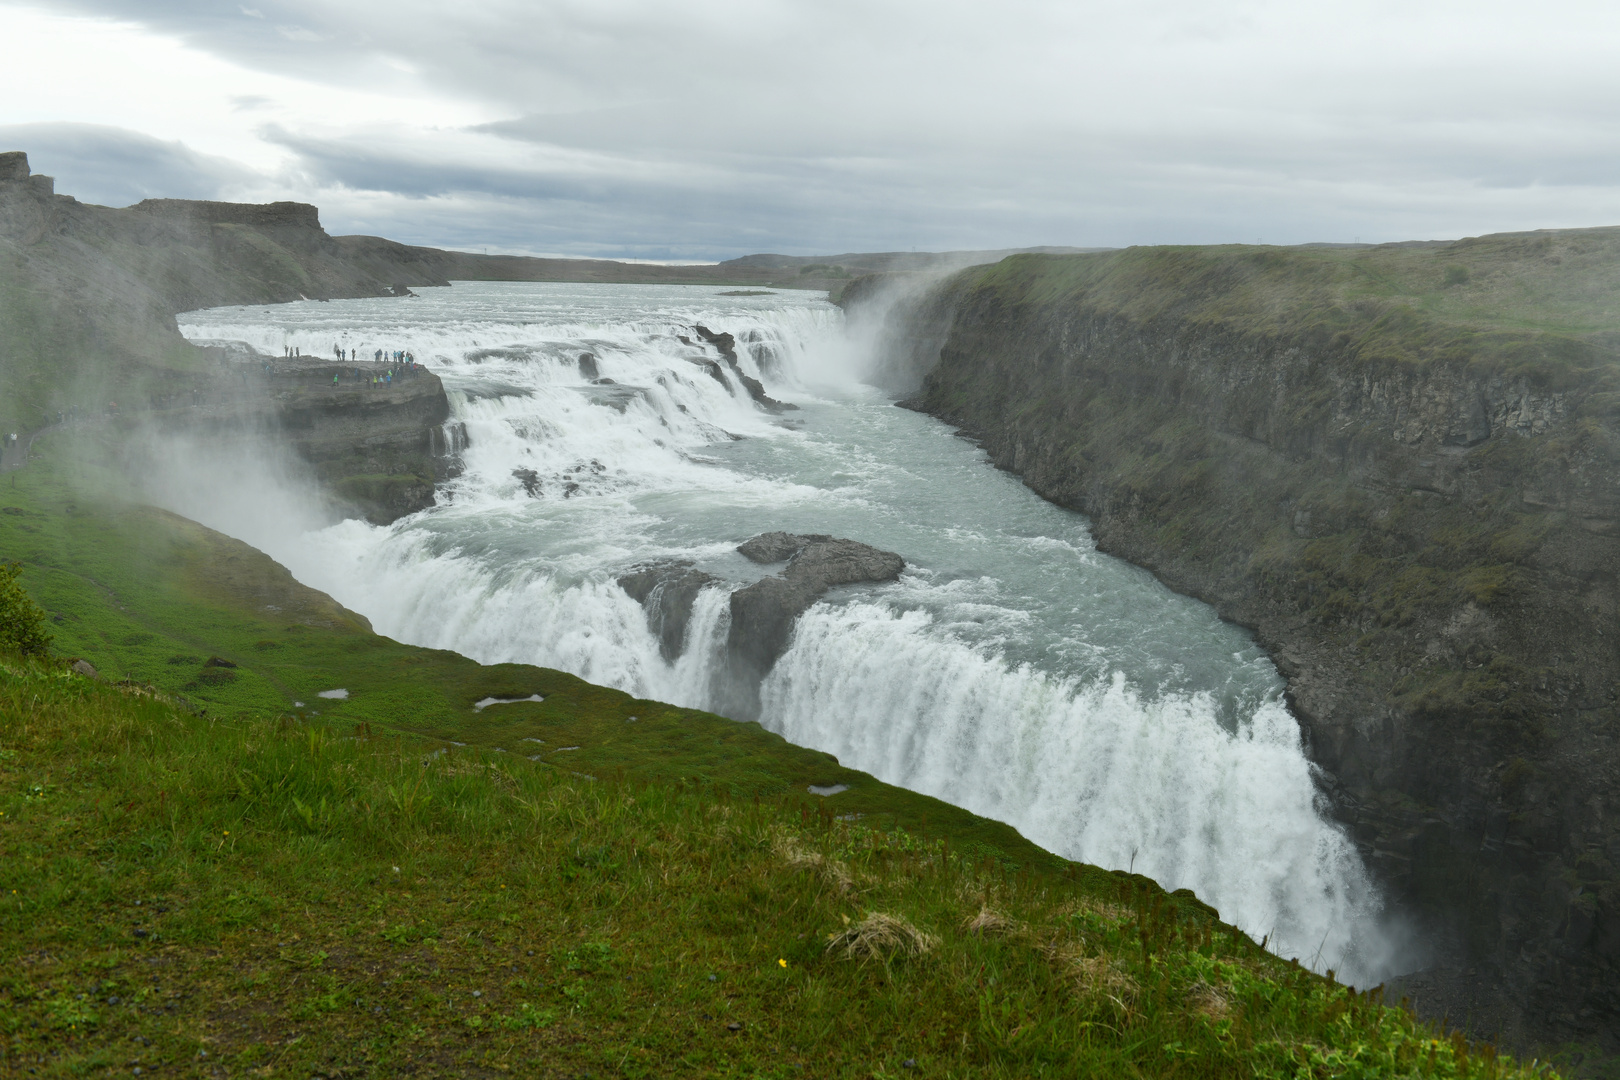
(279, 897)
(1543, 305)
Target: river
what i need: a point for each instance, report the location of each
(1012, 670)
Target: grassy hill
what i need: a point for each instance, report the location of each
(202, 897)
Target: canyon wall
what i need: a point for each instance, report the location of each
(88, 299)
(1398, 465)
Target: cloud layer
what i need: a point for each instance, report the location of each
(712, 128)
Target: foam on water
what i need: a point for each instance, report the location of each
(1012, 670)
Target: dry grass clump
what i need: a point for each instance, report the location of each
(727, 826)
(1104, 909)
(500, 778)
(1209, 1001)
(881, 937)
(790, 850)
(988, 923)
(141, 690)
(1102, 976)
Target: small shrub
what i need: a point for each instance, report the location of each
(22, 622)
(1457, 275)
(67, 1012)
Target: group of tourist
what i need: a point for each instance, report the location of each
(403, 365)
(408, 368)
(397, 356)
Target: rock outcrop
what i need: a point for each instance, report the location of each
(1418, 515)
(726, 345)
(91, 294)
(667, 591)
(380, 449)
(763, 614)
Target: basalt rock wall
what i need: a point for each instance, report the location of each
(1420, 519)
(379, 447)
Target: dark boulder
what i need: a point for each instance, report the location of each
(667, 592)
(530, 481)
(763, 614)
(587, 366)
(775, 547)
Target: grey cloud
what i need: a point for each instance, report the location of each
(717, 127)
(355, 164)
(115, 167)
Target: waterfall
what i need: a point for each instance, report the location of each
(1012, 670)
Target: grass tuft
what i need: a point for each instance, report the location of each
(881, 937)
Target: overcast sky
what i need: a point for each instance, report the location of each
(705, 129)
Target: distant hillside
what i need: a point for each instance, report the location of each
(883, 262)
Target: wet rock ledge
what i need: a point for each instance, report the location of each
(762, 614)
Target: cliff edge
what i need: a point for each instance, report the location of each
(88, 299)
(1398, 465)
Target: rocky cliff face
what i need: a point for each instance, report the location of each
(88, 298)
(379, 448)
(1417, 515)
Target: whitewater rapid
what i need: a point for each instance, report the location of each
(1012, 670)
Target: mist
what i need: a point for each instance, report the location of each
(247, 483)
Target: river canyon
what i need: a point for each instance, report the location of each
(603, 432)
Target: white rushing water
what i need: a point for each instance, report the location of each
(1012, 670)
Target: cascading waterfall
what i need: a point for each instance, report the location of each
(1012, 670)
(1092, 770)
